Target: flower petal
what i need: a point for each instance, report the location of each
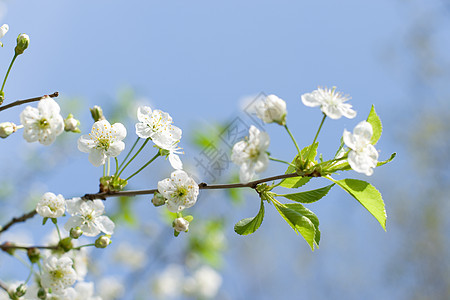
(97, 157)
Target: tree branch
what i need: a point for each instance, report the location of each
(202, 186)
(7, 245)
(20, 102)
(22, 218)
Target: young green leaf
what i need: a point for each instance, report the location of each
(250, 225)
(294, 182)
(367, 195)
(375, 121)
(310, 215)
(299, 222)
(309, 196)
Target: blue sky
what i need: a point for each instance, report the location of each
(198, 60)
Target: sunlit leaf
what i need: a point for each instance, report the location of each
(250, 225)
(375, 121)
(309, 196)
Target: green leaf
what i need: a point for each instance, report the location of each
(312, 155)
(380, 163)
(310, 215)
(44, 220)
(188, 218)
(250, 225)
(309, 196)
(375, 121)
(367, 195)
(298, 221)
(294, 182)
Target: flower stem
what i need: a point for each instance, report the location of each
(315, 138)
(7, 73)
(293, 139)
(117, 167)
(82, 246)
(142, 168)
(109, 166)
(129, 152)
(281, 161)
(57, 229)
(134, 156)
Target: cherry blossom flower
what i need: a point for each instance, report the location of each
(363, 156)
(180, 190)
(51, 206)
(3, 30)
(251, 154)
(58, 274)
(331, 103)
(272, 109)
(157, 125)
(103, 141)
(43, 123)
(6, 129)
(88, 215)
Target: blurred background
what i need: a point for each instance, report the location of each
(203, 62)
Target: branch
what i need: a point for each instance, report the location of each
(7, 245)
(22, 218)
(202, 186)
(20, 102)
(3, 286)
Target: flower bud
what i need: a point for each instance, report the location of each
(23, 40)
(8, 247)
(102, 242)
(71, 124)
(42, 294)
(21, 290)
(66, 244)
(273, 109)
(180, 224)
(158, 199)
(2, 96)
(6, 129)
(97, 113)
(33, 255)
(75, 232)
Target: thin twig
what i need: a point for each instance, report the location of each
(15, 220)
(6, 246)
(20, 102)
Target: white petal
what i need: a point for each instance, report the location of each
(144, 113)
(119, 131)
(105, 224)
(101, 128)
(97, 206)
(332, 111)
(349, 140)
(363, 131)
(73, 205)
(97, 157)
(310, 99)
(73, 222)
(85, 143)
(115, 148)
(90, 229)
(143, 131)
(175, 161)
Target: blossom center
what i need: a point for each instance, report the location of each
(181, 192)
(57, 274)
(103, 143)
(43, 123)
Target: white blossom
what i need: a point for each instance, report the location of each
(180, 190)
(174, 159)
(204, 284)
(43, 123)
(331, 103)
(58, 274)
(272, 109)
(103, 141)
(82, 291)
(167, 285)
(111, 288)
(51, 206)
(88, 215)
(180, 224)
(157, 125)
(251, 154)
(363, 156)
(3, 30)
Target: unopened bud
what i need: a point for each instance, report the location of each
(8, 247)
(33, 255)
(158, 199)
(97, 113)
(23, 40)
(71, 124)
(180, 224)
(6, 129)
(21, 290)
(102, 242)
(75, 232)
(66, 244)
(42, 294)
